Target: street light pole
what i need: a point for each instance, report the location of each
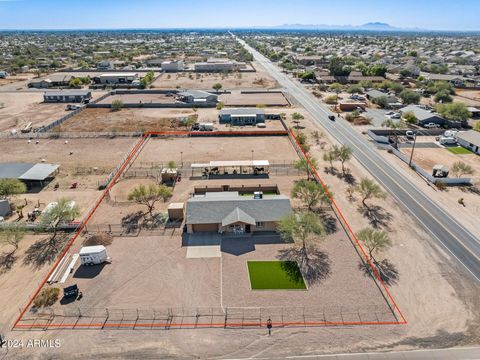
(413, 149)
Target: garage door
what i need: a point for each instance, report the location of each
(205, 228)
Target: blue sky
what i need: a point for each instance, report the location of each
(108, 14)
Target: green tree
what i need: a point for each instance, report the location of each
(410, 97)
(392, 124)
(343, 154)
(375, 241)
(369, 189)
(410, 117)
(355, 89)
(9, 187)
(171, 164)
(307, 75)
(304, 165)
(459, 168)
(217, 87)
(149, 195)
(310, 193)
(454, 111)
(443, 96)
(338, 67)
(12, 235)
(330, 156)
(477, 126)
(304, 228)
(64, 211)
(337, 88)
(381, 101)
(296, 117)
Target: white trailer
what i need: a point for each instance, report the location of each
(93, 255)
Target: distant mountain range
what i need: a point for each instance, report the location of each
(371, 26)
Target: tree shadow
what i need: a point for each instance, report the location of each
(7, 259)
(314, 265)
(44, 251)
(329, 221)
(376, 215)
(331, 170)
(387, 271)
(348, 178)
(131, 221)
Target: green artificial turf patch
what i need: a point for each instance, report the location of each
(458, 150)
(275, 275)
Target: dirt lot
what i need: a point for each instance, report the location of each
(469, 97)
(82, 154)
(139, 98)
(274, 149)
(21, 108)
(258, 79)
(236, 98)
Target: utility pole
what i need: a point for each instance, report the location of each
(413, 149)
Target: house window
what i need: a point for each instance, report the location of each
(260, 225)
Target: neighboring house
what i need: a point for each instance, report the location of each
(323, 76)
(229, 212)
(106, 65)
(116, 78)
(59, 80)
(373, 95)
(197, 96)
(67, 96)
(470, 140)
(423, 116)
(155, 62)
(356, 78)
(40, 84)
(241, 116)
(455, 80)
(474, 111)
(217, 65)
(173, 66)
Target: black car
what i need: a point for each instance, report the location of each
(331, 117)
(70, 291)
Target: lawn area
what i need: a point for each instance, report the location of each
(275, 275)
(458, 150)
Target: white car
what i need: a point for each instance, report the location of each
(431, 126)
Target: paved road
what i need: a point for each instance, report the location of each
(440, 354)
(457, 240)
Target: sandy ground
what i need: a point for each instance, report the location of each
(235, 98)
(258, 79)
(274, 149)
(86, 153)
(23, 107)
(138, 98)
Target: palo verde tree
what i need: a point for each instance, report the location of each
(304, 229)
(217, 87)
(149, 195)
(304, 165)
(9, 187)
(369, 189)
(375, 241)
(459, 168)
(343, 154)
(296, 117)
(12, 235)
(310, 193)
(64, 211)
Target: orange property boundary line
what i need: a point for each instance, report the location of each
(132, 154)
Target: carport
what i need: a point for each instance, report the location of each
(32, 175)
(236, 168)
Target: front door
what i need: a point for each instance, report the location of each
(247, 229)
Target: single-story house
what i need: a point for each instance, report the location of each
(67, 96)
(105, 65)
(40, 84)
(356, 76)
(455, 80)
(324, 77)
(470, 140)
(373, 95)
(173, 66)
(60, 79)
(229, 212)
(32, 175)
(116, 78)
(157, 62)
(241, 116)
(423, 116)
(197, 96)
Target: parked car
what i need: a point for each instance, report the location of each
(431, 126)
(448, 141)
(390, 113)
(71, 107)
(410, 134)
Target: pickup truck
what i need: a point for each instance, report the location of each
(431, 126)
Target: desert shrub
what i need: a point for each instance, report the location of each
(332, 99)
(46, 297)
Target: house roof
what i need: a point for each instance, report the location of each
(26, 171)
(68, 93)
(197, 94)
(238, 215)
(224, 207)
(420, 114)
(242, 111)
(470, 136)
(60, 77)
